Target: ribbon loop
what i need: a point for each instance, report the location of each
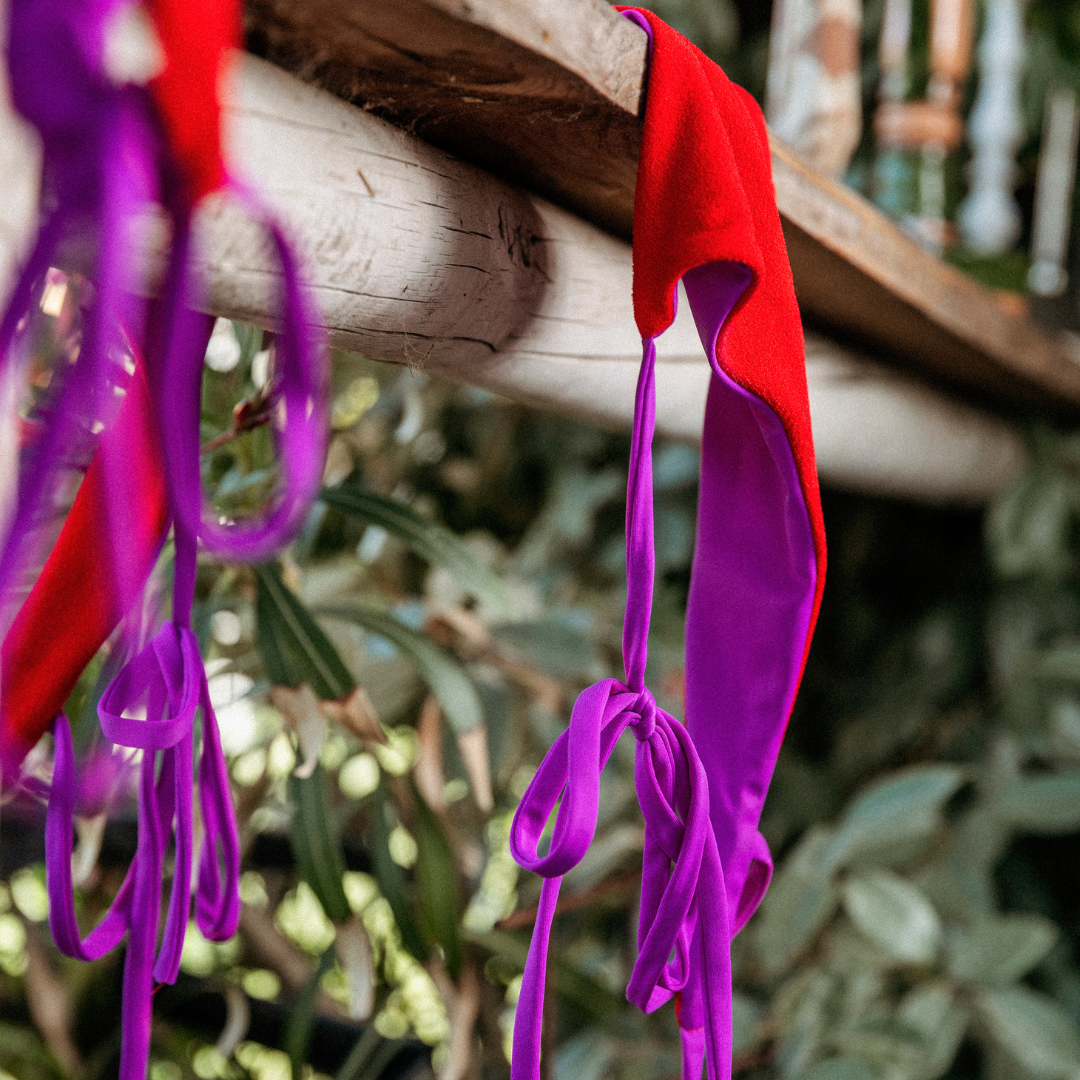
(683, 926)
(163, 680)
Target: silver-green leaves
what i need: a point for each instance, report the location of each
(894, 915)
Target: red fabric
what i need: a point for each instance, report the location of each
(84, 589)
(705, 194)
(198, 37)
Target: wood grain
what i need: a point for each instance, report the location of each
(415, 257)
(547, 94)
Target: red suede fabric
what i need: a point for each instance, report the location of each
(705, 194)
(198, 37)
(84, 591)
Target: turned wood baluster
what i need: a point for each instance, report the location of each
(1054, 193)
(989, 218)
(813, 97)
(929, 129)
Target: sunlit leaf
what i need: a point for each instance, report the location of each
(294, 649)
(391, 879)
(428, 539)
(449, 683)
(894, 915)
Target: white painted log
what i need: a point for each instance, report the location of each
(416, 258)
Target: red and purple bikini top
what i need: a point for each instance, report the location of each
(705, 214)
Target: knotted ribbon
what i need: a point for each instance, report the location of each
(111, 152)
(683, 930)
(704, 215)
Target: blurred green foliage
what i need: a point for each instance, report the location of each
(386, 691)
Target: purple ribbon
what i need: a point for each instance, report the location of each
(684, 930)
(168, 678)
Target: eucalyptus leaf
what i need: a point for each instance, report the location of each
(588, 1056)
(1027, 529)
(1060, 664)
(436, 874)
(801, 900)
(1047, 804)
(931, 1012)
(746, 1020)
(294, 649)
(1034, 1030)
(315, 844)
(894, 915)
(800, 1012)
(452, 688)
(428, 539)
(996, 952)
(892, 811)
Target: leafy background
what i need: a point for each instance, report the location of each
(387, 689)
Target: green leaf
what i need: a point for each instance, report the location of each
(592, 1000)
(436, 874)
(892, 811)
(294, 649)
(932, 1014)
(996, 952)
(369, 1056)
(449, 683)
(1043, 804)
(315, 844)
(300, 1025)
(428, 539)
(845, 1068)
(1060, 664)
(391, 879)
(1034, 1030)
(1027, 528)
(894, 915)
(800, 902)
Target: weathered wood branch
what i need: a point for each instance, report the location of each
(547, 95)
(417, 258)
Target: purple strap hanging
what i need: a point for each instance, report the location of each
(684, 928)
(105, 161)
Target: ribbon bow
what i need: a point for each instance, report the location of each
(684, 931)
(168, 681)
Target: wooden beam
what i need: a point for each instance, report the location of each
(420, 259)
(547, 95)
